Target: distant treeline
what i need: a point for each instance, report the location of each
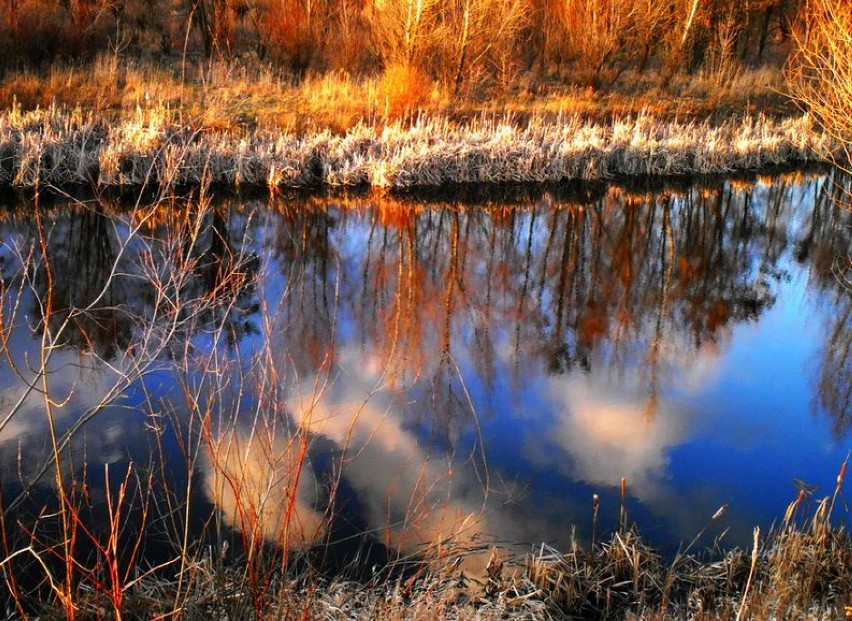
(457, 42)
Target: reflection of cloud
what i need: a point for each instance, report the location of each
(414, 499)
(699, 369)
(77, 384)
(608, 432)
(250, 476)
(73, 387)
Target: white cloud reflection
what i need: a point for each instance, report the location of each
(415, 499)
(250, 476)
(604, 427)
(606, 431)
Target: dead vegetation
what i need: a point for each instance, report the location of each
(312, 65)
(60, 148)
(802, 569)
(821, 70)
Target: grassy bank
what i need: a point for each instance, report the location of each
(272, 81)
(116, 122)
(802, 570)
(151, 145)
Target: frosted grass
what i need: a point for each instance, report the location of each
(60, 148)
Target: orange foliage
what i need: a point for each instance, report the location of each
(284, 29)
(405, 89)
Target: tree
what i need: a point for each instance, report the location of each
(402, 29)
(294, 31)
(594, 34)
(820, 71)
(481, 34)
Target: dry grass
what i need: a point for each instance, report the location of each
(60, 147)
(249, 95)
(800, 570)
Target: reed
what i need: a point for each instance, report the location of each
(801, 569)
(798, 570)
(59, 147)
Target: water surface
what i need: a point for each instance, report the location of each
(420, 367)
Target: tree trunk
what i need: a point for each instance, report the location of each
(464, 41)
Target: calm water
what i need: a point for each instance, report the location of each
(476, 367)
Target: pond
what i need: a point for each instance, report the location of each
(506, 367)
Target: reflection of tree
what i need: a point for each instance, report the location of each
(104, 285)
(825, 245)
(225, 269)
(835, 378)
(81, 254)
(301, 242)
(611, 280)
(826, 238)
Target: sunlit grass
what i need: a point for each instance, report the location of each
(61, 147)
(229, 95)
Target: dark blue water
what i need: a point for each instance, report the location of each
(422, 369)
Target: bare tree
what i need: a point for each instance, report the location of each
(820, 71)
(402, 29)
(594, 33)
(479, 31)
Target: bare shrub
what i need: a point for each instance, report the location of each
(480, 37)
(404, 89)
(594, 36)
(36, 32)
(820, 72)
(721, 64)
(403, 30)
(290, 30)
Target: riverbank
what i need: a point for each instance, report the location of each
(150, 146)
(799, 571)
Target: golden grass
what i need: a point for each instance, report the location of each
(153, 145)
(232, 95)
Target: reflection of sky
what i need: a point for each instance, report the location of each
(732, 420)
(762, 402)
(738, 427)
(733, 423)
(79, 385)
